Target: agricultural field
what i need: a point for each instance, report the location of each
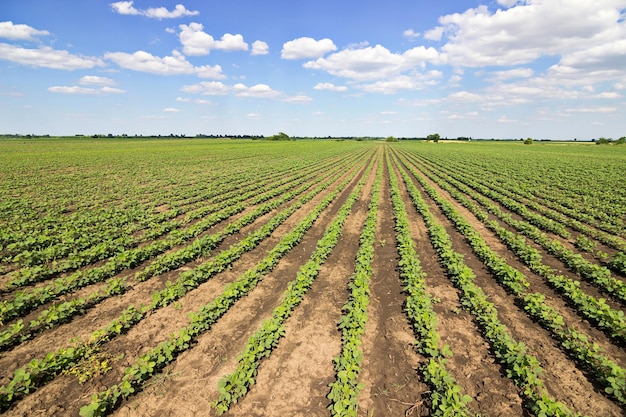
(161, 277)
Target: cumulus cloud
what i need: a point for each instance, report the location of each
(411, 34)
(434, 34)
(373, 62)
(176, 64)
(47, 57)
(260, 48)
(96, 80)
(209, 88)
(197, 42)
(306, 48)
(258, 90)
(230, 42)
(127, 8)
(170, 110)
(330, 87)
(526, 31)
(194, 40)
(216, 88)
(8, 30)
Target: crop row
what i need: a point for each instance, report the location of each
(344, 391)
(24, 301)
(65, 311)
(39, 371)
(201, 321)
(446, 396)
(568, 217)
(260, 345)
(562, 180)
(575, 343)
(220, 197)
(596, 310)
(521, 367)
(595, 274)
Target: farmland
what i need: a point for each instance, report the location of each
(203, 277)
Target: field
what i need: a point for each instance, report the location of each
(182, 277)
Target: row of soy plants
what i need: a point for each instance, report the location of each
(176, 192)
(482, 179)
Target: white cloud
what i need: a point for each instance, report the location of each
(260, 48)
(592, 110)
(95, 80)
(196, 101)
(401, 82)
(455, 80)
(163, 13)
(170, 110)
(411, 34)
(258, 90)
(253, 116)
(209, 88)
(330, 86)
(197, 42)
(462, 116)
(20, 32)
(72, 90)
(609, 95)
(112, 90)
(230, 42)
(47, 57)
(373, 62)
(194, 40)
(505, 119)
(168, 65)
(529, 30)
(465, 96)
(514, 73)
(126, 8)
(609, 55)
(434, 34)
(300, 98)
(84, 90)
(306, 48)
(216, 88)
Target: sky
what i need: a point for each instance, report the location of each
(552, 69)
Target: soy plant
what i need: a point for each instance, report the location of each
(344, 391)
(235, 385)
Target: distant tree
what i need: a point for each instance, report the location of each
(621, 141)
(434, 137)
(279, 136)
(390, 139)
(603, 141)
(528, 141)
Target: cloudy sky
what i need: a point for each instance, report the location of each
(505, 69)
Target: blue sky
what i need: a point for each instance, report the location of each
(489, 69)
